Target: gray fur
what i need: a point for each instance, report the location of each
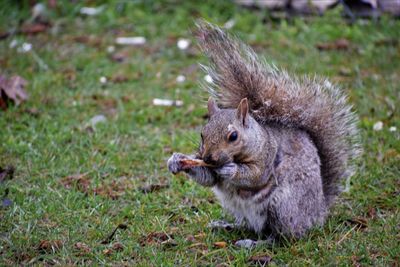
(296, 141)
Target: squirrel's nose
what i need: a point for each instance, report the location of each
(209, 159)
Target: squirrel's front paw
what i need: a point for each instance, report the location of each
(227, 171)
(174, 162)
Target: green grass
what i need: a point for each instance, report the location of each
(131, 147)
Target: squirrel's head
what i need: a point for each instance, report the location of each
(224, 137)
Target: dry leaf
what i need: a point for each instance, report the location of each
(82, 247)
(154, 238)
(220, 244)
(80, 181)
(360, 222)
(117, 246)
(262, 260)
(34, 28)
(49, 245)
(6, 173)
(152, 188)
(12, 89)
(339, 44)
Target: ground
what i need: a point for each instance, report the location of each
(75, 183)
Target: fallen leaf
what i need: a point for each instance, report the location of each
(113, 188)
(262, 260)
(6, 173)
(117, 246)
(355, 261)
(119, 78)
(82, 247)
(152, 188)
(371, 213)
(34, 28)
(79, 181)
(169, 243)
(360, 222)
(111, 236)
(49, 245)
(12, 89)
(154, 238)
(107, 251)
(220, 244)
(339, 44)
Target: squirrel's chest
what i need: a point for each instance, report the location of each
(252, 209)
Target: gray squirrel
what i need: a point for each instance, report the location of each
(276, 149)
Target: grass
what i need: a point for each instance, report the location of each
(47, 139)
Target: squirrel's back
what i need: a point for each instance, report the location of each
(310, 104)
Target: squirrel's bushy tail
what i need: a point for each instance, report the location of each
(311, 104)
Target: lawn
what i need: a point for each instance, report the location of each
(75, 182)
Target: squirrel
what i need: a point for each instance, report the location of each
(277, 148)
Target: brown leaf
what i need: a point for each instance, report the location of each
(12, 89)
(82, 247)
(79, 181)
(113, 188)
(49, 245)
(121, 56)
(262, 260)
(6, 173)
(220, 244)
(154, 238)
(119, 78)
(152, 188)
(117, 246)
(108, 251)
(360, 222)
(339, 44)
(34, 28)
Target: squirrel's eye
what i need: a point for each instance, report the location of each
(233, 136)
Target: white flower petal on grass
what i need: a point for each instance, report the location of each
(103, 80)
(25, 48)
(13, 43)
(137, 40)
(183, 44)
(393, 129)
(167, 102)
(378, 126)
(110, 49)
(180, 79)
(91, 11)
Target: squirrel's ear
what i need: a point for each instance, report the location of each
(212, 107)
(242, 112)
